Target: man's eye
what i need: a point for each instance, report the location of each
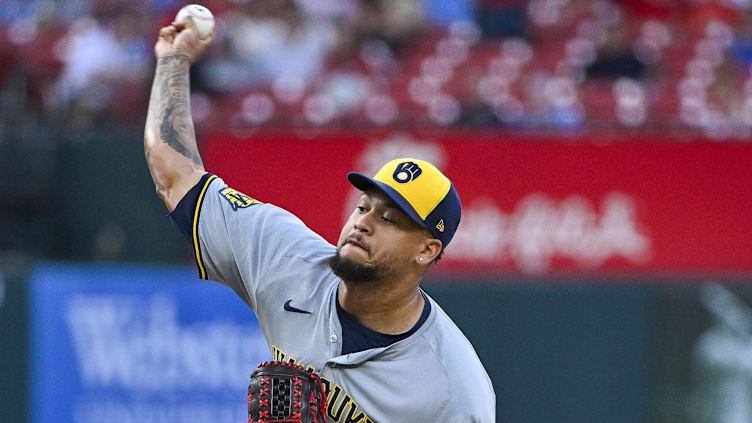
(361, 209)
(386, 219)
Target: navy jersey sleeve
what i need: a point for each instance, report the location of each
(184, 213)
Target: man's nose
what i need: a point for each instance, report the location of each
(363, 222)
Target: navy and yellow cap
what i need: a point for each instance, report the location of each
(421, 191)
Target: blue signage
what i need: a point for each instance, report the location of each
(142, 345)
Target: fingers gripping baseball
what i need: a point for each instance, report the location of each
(182, 37)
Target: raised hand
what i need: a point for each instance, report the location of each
(182, 37)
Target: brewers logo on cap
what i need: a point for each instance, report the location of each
(421, 191)
(406, 172)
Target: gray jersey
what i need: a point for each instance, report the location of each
(278, 267)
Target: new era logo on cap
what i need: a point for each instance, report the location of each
(421, 191)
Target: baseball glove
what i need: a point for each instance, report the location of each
(285, 392)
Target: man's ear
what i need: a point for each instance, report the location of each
(430, 250)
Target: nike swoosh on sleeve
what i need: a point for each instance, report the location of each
(288, 307)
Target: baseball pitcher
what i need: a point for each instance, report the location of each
(352, 313)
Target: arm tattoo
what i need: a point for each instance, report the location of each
(170, 96)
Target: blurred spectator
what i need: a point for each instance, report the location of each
(267, 40)
(322, 62)
(100, 56)
(616, 58)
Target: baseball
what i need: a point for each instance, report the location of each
(202, 17)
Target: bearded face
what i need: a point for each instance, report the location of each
(379, 241)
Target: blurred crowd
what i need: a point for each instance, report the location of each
(563, 65)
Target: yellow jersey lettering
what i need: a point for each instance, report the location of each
(338, 415)
(337, 402)
(237, 199)
(351, 417)
(327, 383)
(333, 398)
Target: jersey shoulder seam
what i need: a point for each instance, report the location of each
(444, 371)
(438, 357)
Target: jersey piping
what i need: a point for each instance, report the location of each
(197, 213)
